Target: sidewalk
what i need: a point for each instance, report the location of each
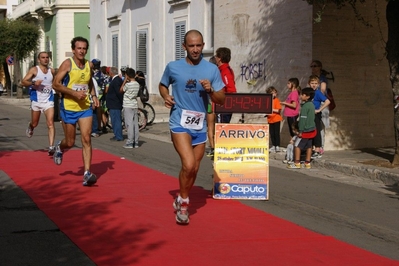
(373, 164)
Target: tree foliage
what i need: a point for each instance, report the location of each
(18, 38)
(322, 4)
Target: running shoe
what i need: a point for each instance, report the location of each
(57, 156)
(272, 149)
(136, 145)
(316, 155)
(307, 165)
(277, 149)
(29, 131)
(128, 146)
(181, 212)
(51, 150)
(294, 166)
(210, 153)
(89, 179)
(95, 135)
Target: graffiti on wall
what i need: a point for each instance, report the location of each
(251, 72)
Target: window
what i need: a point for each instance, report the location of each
(180, 31)
(115, 51)
(141, 51)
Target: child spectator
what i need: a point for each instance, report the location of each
(274, 119)
(307, 129)
(320, 102)
(130, 88)
(289, 154)
(292, 103)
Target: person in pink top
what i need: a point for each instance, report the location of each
(292, 104)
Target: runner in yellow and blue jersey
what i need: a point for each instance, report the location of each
(74, 82)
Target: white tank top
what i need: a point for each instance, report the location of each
(44, 92)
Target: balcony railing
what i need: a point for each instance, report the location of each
(33, 7)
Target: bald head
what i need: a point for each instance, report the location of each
(192, 33)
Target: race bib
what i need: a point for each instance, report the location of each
(44, 89)
(192, 119)
(80, 87)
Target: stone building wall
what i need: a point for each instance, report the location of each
(272, 41)
(355, 54)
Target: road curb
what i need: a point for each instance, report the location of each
(388, 178)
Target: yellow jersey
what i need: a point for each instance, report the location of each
(77, 79)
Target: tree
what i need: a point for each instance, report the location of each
(391, 48)
(18, 38)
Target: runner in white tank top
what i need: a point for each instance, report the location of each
(39, 79)
(42, 93)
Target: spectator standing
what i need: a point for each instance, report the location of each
(130, 90)
(320, 102)
(223, 57)
(74, 82)
(104, 89)
(274, 120)
(292, 104)
(98, 85)
(289, 154)
(114, 104)
(95, 131)
(210, 119)
(40, 81)
(193, 81)
(317, 69)
(57, 98)
(306, 128)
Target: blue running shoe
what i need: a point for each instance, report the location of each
(57, 156)
(89, 179)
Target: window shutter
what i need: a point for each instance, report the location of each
(180, 31)
(141, 51)
(115, 50)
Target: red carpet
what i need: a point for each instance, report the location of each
(128, 219)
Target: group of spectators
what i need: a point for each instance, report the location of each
(117, 91)
(306, 136)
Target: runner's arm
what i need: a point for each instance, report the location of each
(59, 87)
(28, 79)
(164, 91)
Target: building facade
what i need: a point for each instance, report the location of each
(146, 34)
(59, 21)
(271, 41)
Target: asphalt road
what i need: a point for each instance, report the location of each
(360, 212)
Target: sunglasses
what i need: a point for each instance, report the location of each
(313, 66)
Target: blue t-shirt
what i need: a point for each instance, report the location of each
(319, 97)
(187, 90)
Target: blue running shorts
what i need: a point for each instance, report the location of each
(196, 138)
(71, 117)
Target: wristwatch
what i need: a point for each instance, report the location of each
(211, 90)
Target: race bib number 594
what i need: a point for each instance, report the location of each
(192, 119)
